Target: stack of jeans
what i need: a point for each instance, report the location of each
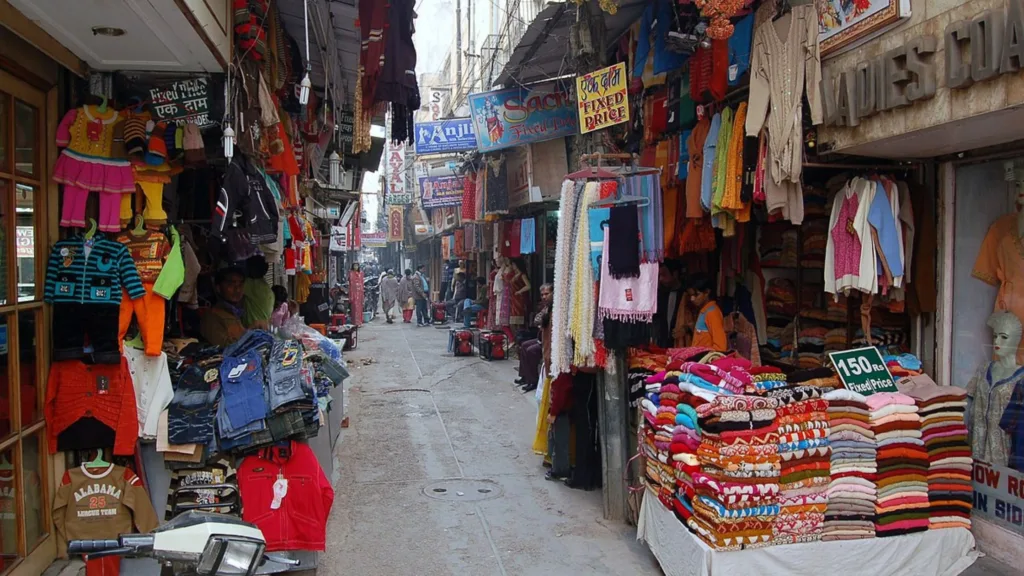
(243, 405)
(190, 415)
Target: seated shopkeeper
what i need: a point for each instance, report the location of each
(222, 325)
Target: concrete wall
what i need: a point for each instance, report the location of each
(929, 18)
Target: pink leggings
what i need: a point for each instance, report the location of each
(73, 213)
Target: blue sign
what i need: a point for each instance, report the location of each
(442, 136)
(517, 116)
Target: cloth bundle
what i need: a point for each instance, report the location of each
(944, 433)
(737, 488)
(850, 513)
(805, 460)
(764, 379)
(902, 465)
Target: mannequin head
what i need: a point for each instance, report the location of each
(1006, 335)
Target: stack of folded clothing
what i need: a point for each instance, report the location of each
(851, 494)
(764, 379)
(781, 338)
(777, 246)
(780, 297)
(816, 377)
(815, 240)
(735, 505)
(903, 365)
(805, 460)
(683, 449)
(655, 447)
(816, 205)
(835, 340)
(811, 347)
(944, 433)
(902, 462)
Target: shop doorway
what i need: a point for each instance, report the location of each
(24, 485)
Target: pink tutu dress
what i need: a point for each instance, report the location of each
(88, 163)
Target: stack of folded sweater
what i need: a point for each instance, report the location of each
(804, 456)
(851, 494)
(817, 377)
(683, 449)
(764, 379)
(942, 409)
(736, 494)
(902, 462)
(656, 440)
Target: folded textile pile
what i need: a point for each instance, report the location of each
(903, 365)
(764, 379)
(835, 340)
(811, 347)
(944, 433)
(852, 495)
(902, 463)
(654, 445)
(804, 461)
(816, 377)
(780, 297)
(781, 342)
(777, 246)
(737, 489)
(815, 240)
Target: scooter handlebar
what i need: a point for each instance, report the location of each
(92, 546)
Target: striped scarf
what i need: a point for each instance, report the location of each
(581, 303)
(560, 354)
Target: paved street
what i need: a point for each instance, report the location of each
(437, 475)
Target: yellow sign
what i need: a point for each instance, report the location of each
(602, 98)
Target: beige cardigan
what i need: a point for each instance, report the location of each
(783, 67)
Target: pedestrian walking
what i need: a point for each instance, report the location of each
(407, 296)
(389, 294)
(421, 287)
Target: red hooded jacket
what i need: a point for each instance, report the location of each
(300, 523)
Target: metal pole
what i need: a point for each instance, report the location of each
(458, 50)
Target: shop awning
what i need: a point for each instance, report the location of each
(542, 53)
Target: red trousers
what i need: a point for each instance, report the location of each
(149, 311)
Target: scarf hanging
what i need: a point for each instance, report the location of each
(623, 255)
(651, 218)
(497, 184)
(528, 236)
(469, 197)
(560, 347)
(598, 221)
(628, 299)
(581, 306)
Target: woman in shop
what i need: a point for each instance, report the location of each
(709, 331)
(531, 352)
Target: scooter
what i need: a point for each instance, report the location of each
(194, 543)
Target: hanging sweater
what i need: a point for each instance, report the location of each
(101, 391)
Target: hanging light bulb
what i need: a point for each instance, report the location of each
(229, 142)
(335, 161)
(306, 84)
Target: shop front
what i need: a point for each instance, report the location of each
(947, 87)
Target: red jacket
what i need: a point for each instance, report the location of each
(561, 395)
(301, 521)
(102, 391)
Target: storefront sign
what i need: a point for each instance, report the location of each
(395, 169)
(25, 240)
(396, 224)
(345, 126)
(975, 50)
(602, 98)
(377, 239)
(862, 370)
(445, 136)
(183, 102)
(339, 239)
(438, 191)
(515, 116)
(999, 496)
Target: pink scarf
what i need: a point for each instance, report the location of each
(628, 299)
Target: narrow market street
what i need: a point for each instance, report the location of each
(436, 474)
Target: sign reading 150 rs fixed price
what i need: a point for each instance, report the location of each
(863, 371)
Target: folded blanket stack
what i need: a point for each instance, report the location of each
(764, 379)
(737, 489)
(944, 433)
(902, 463)
(850, 514)
(804, 460)
(655, 440)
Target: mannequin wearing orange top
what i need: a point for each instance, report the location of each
(1000, 260)
(709, 330)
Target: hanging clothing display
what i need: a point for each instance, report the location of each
(496, 184)
(101, 504)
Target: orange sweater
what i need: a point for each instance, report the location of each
(710, 329)
(102, 391)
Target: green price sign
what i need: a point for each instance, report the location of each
(863, 371)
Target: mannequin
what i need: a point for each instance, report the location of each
(500, 314)
(991, 388)
(1000, 260)
(519, 287)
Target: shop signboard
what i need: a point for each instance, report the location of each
(516, 116)
(25, 238)
(396, 223)
(345, 126)
(339, 238)
(999, 495)
(439, 191)
(444, 136)
(183, 102)
(602, 98)
(377, 239)
(862, 370)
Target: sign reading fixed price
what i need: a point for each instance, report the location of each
(602, 98)
(863, 371)
(182, 102)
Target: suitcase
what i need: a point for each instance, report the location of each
(492, 345)
(460, 341)
(439, 312)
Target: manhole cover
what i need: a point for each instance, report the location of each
(465, 490)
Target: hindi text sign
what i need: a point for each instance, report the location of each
(602, 98)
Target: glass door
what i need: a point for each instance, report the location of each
(24, 498)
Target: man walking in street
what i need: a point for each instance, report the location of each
(422, 289)
(407, 296)
(388, 294)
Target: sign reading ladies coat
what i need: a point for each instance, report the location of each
(440, 191)
(602, 98)
(863, 371)
(515, 116)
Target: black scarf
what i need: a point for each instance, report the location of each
(624, 242)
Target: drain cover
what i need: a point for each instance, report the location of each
(464, 490)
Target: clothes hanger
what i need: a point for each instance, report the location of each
(98, 461)
(640, 200)
(92, 229)
(140, 226)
